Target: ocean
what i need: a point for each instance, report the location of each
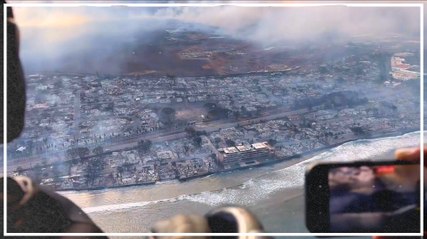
(274, 193)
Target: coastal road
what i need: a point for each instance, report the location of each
(156, 137)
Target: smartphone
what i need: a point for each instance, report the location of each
(380, 196)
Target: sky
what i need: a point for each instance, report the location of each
(51, 34)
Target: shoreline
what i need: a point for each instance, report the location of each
(288, 161)
(280, 209)
(279, 205)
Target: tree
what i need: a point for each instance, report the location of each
(75, 161)
(272, 142)
(94, 168)
(197, 141)
(83, 152)
(218, 113)
(98, 150)
(236, 114)
(120, 169)
(19, 170)
(230, 143)
(186, 148)
(144, 145)
(191, 132)
(80, 152)
(167, 116)
(358, 130)
(210, 106)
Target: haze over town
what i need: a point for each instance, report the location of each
(159, 98)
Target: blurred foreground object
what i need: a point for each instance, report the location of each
(221, 220)
(15, 83)
(34, 209)
(410, 154)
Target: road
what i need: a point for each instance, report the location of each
(154, 137)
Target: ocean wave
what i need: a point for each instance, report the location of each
(115, 207)
(127, 206)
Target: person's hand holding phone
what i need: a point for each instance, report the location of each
(412, 155)
(377, 196)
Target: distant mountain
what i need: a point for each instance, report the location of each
(182, 49)
(177, 49)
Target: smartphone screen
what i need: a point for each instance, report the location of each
(374, 198)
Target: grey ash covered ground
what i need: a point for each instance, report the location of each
(88, 131)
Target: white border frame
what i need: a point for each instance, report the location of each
(422, 117)
(56, 4)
